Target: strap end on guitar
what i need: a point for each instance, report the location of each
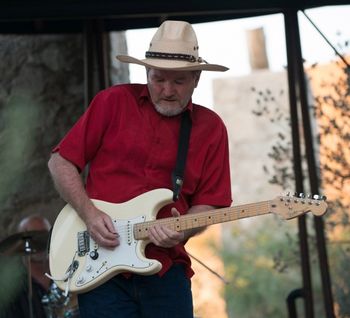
(177, 185)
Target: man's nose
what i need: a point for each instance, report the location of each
(168, 88)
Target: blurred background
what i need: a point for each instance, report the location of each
(263, 266)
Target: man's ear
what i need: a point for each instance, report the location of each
(197, 76)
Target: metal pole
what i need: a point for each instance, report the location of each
(293, 83)
(95, 55)
(312, 167)
(28, 252)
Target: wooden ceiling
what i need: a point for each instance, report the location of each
(61, 16)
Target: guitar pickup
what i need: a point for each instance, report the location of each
(83, 243)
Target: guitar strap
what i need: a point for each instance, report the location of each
(177, 175)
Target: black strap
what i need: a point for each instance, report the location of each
(184, 139)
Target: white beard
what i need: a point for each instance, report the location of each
(168, 111)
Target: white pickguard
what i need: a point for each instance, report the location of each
(126, 256)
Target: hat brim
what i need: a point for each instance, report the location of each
(174, 65)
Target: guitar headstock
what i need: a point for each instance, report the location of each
(291, 206)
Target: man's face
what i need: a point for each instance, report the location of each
(171, 90)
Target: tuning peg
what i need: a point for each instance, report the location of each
(301, 195)
(319, 197)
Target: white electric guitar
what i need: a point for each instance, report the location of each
(78, 264)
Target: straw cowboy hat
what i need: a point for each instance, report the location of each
(174, 47)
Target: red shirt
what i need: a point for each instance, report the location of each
(131, 149)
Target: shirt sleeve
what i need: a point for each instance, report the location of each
(84, 139)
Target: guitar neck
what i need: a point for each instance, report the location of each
(196, 220)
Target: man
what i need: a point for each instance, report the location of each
(129, 137)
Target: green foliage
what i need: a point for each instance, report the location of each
(257, 288)
(17, 141)
(339, 257)
(13, 279)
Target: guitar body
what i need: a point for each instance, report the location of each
(73, 251)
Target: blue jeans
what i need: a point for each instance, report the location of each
(139, 296)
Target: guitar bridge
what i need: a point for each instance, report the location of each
(83, 243)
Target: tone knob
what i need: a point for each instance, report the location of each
(88, 268)
(80, 280)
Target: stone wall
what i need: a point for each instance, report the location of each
(41, 96)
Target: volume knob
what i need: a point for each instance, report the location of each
(94, 255)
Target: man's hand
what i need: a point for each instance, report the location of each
(162, 236)
(101, 228)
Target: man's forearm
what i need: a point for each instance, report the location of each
(71, 187)
(69, 183)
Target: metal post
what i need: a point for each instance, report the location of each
(293, 83)
(95, 55)
(292, 17)
(291, 300)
